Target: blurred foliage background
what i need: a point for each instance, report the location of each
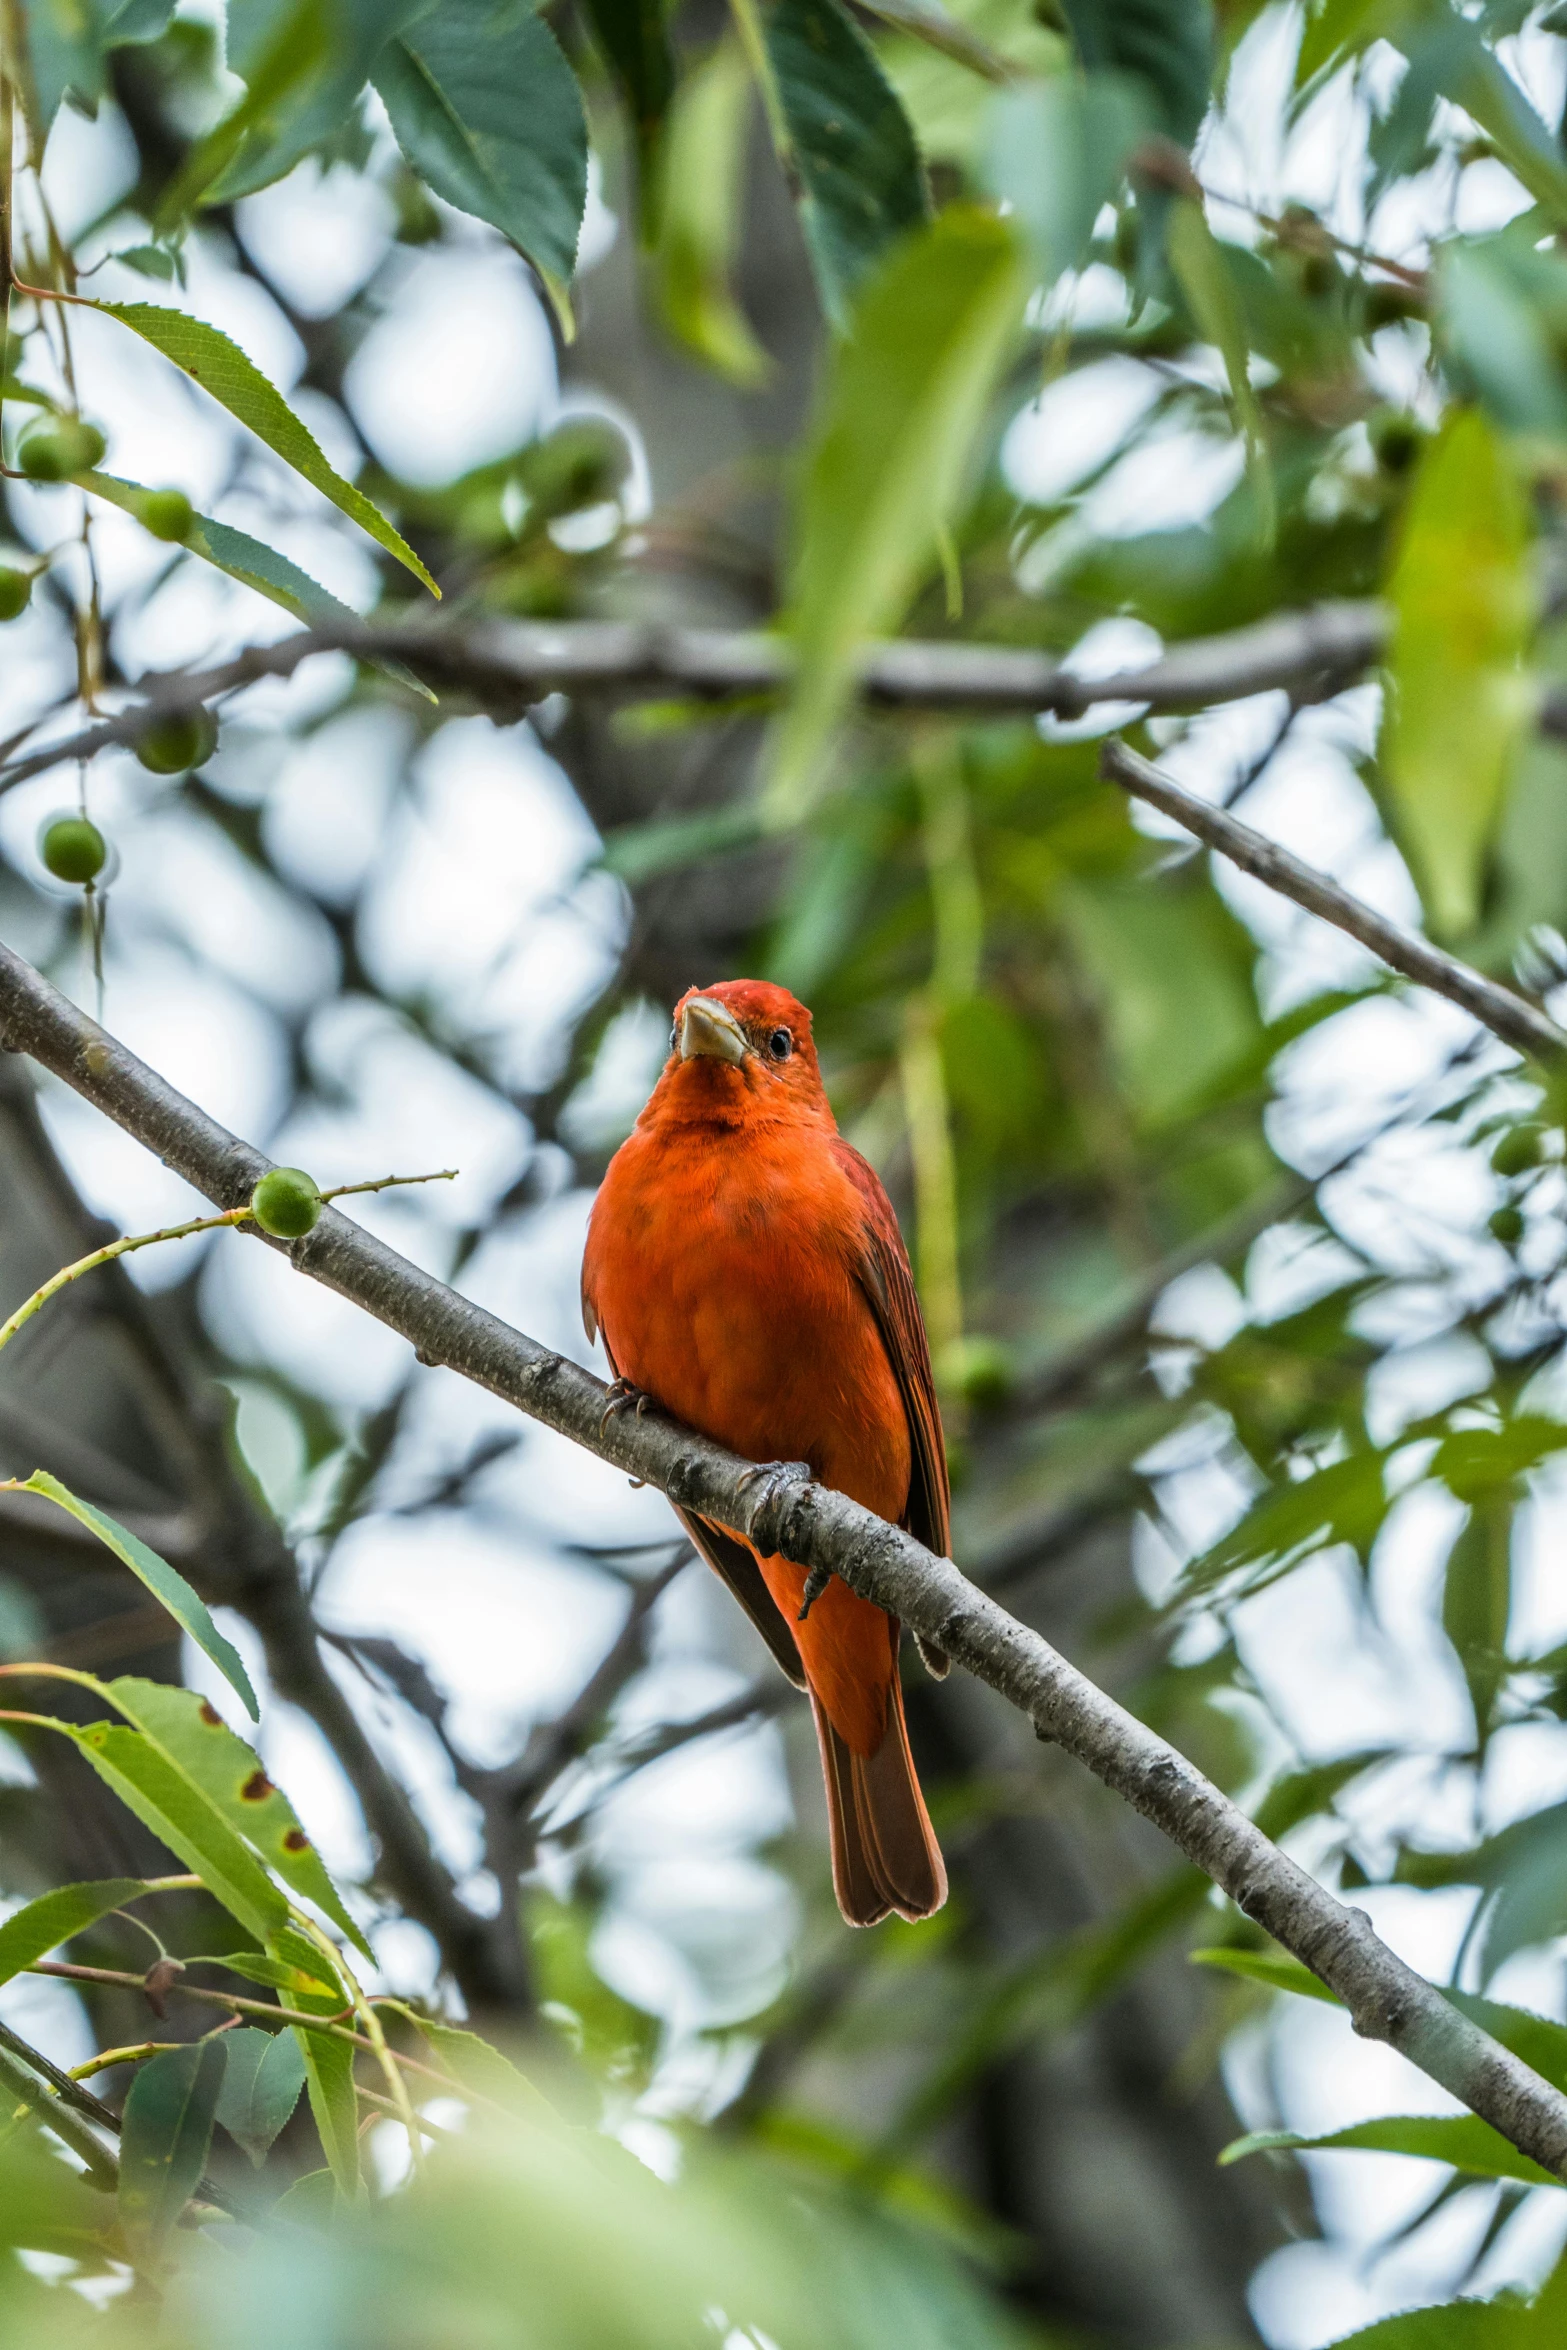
(1090, 328)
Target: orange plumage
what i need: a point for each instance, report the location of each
(746, 1271)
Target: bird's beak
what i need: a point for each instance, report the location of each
(708, 1031)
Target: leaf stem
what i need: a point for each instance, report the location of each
(124, 1248)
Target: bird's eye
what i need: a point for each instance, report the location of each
(674, 1038)
(780, 1044)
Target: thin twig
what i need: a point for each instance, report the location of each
(818, 1527)
(1497, 1008)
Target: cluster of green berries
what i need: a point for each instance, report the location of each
(72, 848)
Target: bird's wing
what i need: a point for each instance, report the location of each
(884, 1275)
(730, 1559)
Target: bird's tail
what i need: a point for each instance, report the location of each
(884, 1850)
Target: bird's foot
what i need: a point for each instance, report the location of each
(623, 1395)
(777, 1479)
(816, 1583)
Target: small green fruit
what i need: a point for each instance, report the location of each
(180, 740)
(286, 1203)
(168, 514)
(73, 849)
(1396, 439)
(1518, 1150)
(1507, 1226)
(583, 462)
(16, 587)
(59, 447)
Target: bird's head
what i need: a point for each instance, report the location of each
(740, 1051)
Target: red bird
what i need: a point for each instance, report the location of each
(745, 1269)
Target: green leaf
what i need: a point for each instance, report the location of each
(164, 2137)
(1456, 2325)
(170, 1589)
(1168, 44)
(209, 358)
(1541, 2043)
(329, 2078)
(474, 2064)
(184, 1819)
(1202, 269)
(1056, 152)
(260, 567)
(701, 216)
(1452, 61)
(67, 44)
(636, 49)
(229, 1774)
(54, 1917)
(1274, 1968)
(487, 110)
(304, 64)
(862, 182)
(1345, 1502)
(1461, 2139)
(1463, 600)
(261, 2087)
(904, 402)
(1502, 315)
(1477, 1601)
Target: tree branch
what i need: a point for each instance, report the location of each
(815, 1526)
(1497, 1008)
(508, 665)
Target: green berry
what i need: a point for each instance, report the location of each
(1518, 1150)
(15, 589)
(73, 849)
(59, 447)
(168, 514)
(583, 462)
(286, 1203)
(1396, 440)
(1507, 1226)
(178, 741)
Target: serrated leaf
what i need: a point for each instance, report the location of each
(329, 2078)
(474, 2064)
(1463, 601)
(487, 111)
(169, 1588)
(1167, 44)
(1455, 2325)
(184, 1819)
(230, 1775)
(635, 45)
(860, 171)
(261, 2087)
(1462, 2139)
(280, 1974)
(1056, 151)
(903, 405)
(55, 1917)
(701, 215)
(261, 567)
(164, 2137)
(209, 358)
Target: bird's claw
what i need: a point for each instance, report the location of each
(816, 1583)
(622, 1395)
